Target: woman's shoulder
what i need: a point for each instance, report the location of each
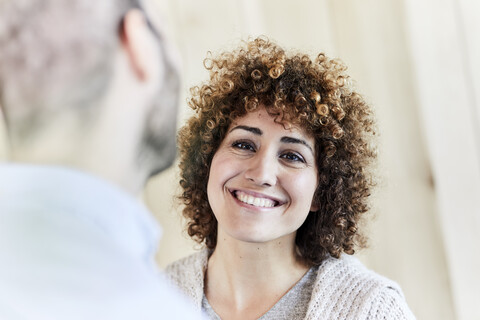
(348, 268)
(187, 274)
(345, 288)
(193, 263)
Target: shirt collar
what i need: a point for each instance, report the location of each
(121, 216)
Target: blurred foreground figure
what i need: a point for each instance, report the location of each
(88, 90)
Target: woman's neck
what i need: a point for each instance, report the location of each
(247, 279)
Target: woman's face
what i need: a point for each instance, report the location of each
(262, 179)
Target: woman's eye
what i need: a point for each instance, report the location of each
(243, 145)
(293, 157)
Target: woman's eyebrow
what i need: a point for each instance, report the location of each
(295, 140)
(253, 130)
(284, 139)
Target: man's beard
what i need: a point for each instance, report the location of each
(158, 147)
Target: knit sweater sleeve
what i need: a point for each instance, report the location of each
(389, 304)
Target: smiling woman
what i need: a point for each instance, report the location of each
(275, 177)
(262, 180)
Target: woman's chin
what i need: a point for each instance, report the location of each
(258, 237)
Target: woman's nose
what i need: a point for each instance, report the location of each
(262, 170)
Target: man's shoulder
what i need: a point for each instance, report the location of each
(73, 248)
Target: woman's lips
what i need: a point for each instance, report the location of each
(255, 199)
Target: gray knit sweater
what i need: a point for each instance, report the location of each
(343, 289)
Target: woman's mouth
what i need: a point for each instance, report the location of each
(254, 201)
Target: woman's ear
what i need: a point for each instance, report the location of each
(139, 44)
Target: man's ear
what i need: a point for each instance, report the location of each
(138, 42)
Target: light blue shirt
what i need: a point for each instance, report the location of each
(73, 246)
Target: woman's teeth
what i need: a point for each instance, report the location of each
(254, 201)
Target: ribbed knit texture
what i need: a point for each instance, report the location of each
(343, 289)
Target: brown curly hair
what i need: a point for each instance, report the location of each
(316, 96)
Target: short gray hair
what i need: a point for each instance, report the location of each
(55, 53)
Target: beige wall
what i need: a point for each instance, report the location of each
(446, 62)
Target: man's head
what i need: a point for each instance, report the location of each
(89, 84)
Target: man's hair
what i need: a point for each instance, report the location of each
(315, 95)
(55, 53)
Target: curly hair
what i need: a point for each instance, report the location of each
(315, 95)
